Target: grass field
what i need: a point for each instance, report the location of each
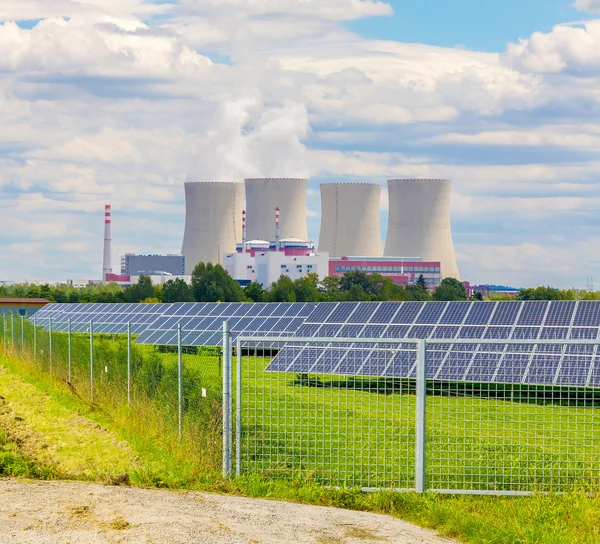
(302, 432)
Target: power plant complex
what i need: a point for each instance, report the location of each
(268, 236)
(418, 228)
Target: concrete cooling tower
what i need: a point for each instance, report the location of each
(213, 221)
(263, 196)
(419, 222)
(350, 219)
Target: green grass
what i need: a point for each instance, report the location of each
(473, 442)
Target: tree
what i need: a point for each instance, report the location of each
(329, 287)
(477, 296)
(177, 290)
(254, 291)
(283, 290)
(416, 292)
(421, 282)
(306, 288)
(140, 291)
(212, 283)
(450, 289)
(544, 293)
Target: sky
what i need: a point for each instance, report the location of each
(122, 101)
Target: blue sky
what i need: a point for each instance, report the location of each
(122, 101)
(484, 25)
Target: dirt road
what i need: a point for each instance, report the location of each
(82, 513)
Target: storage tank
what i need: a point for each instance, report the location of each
(213, 221)
(350, 219)
(419, 222)
(264, 195)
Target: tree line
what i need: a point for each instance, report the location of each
(212, 283)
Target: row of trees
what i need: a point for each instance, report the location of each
(212, 283)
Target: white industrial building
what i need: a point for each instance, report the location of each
(419, 222)
(213, 221)
(264, 195)
(265, 262)
(350, 219)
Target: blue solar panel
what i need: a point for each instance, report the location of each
(456, 312)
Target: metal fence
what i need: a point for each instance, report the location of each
(234, 410)
(168, 394)
(418, 434)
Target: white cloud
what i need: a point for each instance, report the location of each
(592, 6)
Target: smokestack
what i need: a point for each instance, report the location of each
(106, 263)
(243, 231)
(277, 229)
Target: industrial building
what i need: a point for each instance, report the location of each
(213, 221)
(265, 262)
(264, 195)
(22, 306)
(401, 271)
(135, 265)
(419, 222)
(350, 219)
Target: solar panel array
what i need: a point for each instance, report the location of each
(108, 318)
(497, 363)
(202, 323)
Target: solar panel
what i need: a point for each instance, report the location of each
(202, 323)
(497, 363)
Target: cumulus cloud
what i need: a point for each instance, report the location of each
(121, 101)
(592, 6)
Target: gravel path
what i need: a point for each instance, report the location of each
(82, 513)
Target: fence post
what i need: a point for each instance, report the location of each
(22, 335)
(69, 348)
(50, 346)
(34, 341)
(238, 409)
(4, 331)
(227, 367)
(179, 381)
(420, 467)
(91, 361)
(12, 332)
(129, 363)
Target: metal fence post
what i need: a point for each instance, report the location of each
(129, 363)
(91, 361)
(69, 347)
(227, 367)
(238, 409)
(12, 332)
(4, 331)
(22, 335)
(179, 381)
(50, 346)
(420, 468)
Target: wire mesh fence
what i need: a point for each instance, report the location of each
(460, 415)
(165, 393)
(372, 414)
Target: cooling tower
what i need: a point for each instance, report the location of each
(350, 219)
(419, 222)
(213, 221)
(263, 196)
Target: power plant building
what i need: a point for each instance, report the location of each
(264, 195)
(419, 222)
(213, 221)
(350, 219)
(151, 265)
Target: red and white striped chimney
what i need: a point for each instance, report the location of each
(106, 263)
(243, 231)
